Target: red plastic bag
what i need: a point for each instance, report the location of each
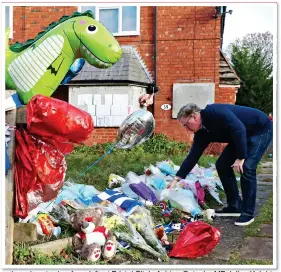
(40, 170)
(58, 120)
(196, 239)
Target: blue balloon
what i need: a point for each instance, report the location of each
(73, 71)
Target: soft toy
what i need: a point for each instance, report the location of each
(92, 236)
(159, 231)
(161, 235)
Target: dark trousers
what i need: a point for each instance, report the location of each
(256, 146)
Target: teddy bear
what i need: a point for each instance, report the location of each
(92, 239)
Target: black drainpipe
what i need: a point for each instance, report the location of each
(222, 23)
(154, 87)
(155, 47)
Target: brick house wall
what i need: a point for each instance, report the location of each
(29, 21)
(188, 46)
(226, 95)
(188, 51)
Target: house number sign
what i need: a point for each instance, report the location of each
(166, 107)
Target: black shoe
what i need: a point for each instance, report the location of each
(244, 220)
(228, 211)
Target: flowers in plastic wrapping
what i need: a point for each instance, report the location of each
(152, 170)
(142, 221)
(124, 230)
(112, 221)
(167, 167)
(208, 179)
(182, 200)
(115, 181)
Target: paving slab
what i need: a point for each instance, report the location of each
(266, 171)
(265, 177)
(262, 196)
(54, 246)
(264, 189)
(266, 183)
(267, 164)
(266, 229)
(257, 248)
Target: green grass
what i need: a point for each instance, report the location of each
(120, 162)
(24, 255)
(265, 217)
(205, 161)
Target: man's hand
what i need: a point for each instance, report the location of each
(173, 182)
(146, 99)
(238, 165)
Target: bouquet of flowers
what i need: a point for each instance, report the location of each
(141, 220)
(124, 230)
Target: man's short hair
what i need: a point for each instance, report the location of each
(188, 109)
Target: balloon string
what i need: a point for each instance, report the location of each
(109, 150)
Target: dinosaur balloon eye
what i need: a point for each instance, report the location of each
(92, 29)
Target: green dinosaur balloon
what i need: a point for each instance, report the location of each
(38, 66)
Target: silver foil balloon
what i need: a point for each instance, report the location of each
(135, 129)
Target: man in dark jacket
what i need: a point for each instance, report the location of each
(248, 133)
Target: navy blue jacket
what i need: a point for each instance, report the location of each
(225, 123)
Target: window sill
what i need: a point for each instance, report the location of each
(126, 34)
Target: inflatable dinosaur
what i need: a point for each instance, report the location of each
(39, 65)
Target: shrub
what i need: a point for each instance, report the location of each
(157, 144)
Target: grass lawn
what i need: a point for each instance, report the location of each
(120, 162)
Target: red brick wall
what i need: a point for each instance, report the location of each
(29, 21)
(102, 135)
(188, 46)
(188, 42)
(226, 95)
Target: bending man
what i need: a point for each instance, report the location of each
(248, 133)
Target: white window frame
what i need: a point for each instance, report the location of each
(120, 32)
(10, 20)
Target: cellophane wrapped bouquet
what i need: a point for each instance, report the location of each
(124, 230)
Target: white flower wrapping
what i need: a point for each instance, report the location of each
(124, 230)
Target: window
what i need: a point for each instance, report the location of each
(9, 19)
(119, 20)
